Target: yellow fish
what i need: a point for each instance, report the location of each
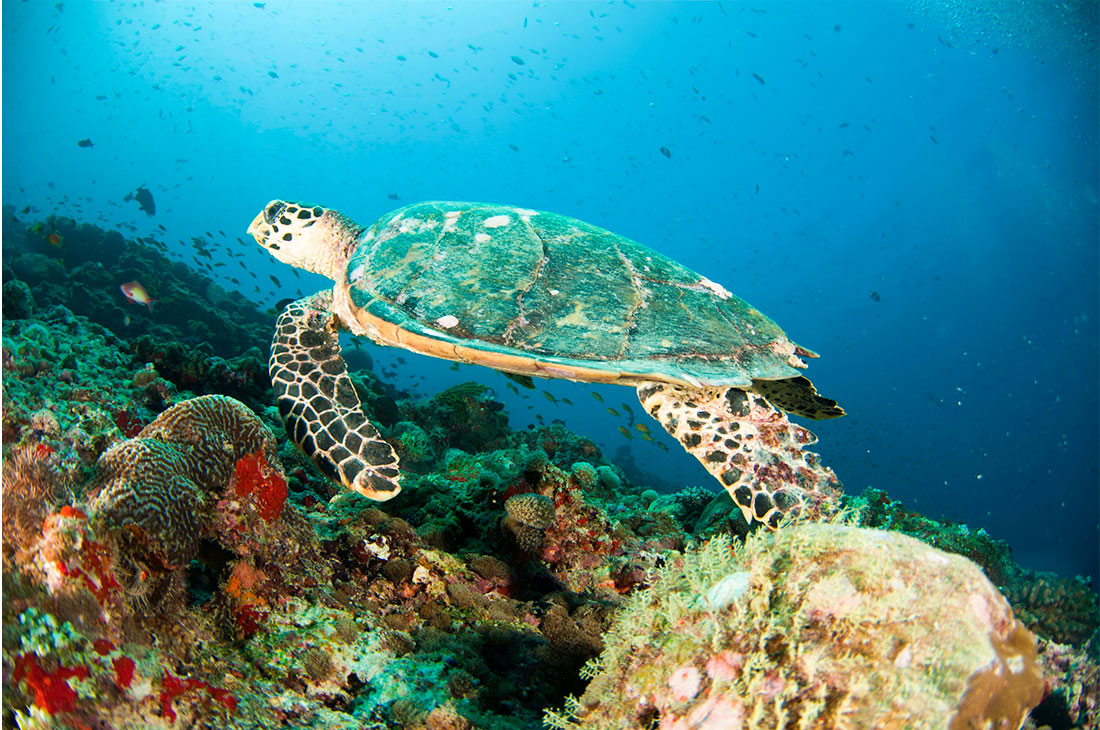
(624, 432)
(567, 401)
(642, 427)
(613, 412)
(550, 397)
(135, 292)
(597, 396)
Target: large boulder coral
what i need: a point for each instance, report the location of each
(819, 625)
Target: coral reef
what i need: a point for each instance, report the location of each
(1073, 686)
(84, 276)
(817, 626)
(170, 559)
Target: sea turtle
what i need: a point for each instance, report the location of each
(535, 293)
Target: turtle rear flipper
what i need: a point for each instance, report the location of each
(798, 396)
(753, 450)
(319, 405)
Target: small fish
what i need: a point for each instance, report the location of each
(625, 433)
(933, 138)
(566, 401)
(25, 210)
(394, 196)
(272, 74)
(759, 78)
(875, 296)
(660, 446)
(627, 409)
(276, 281)
(642, 427)
(135, 292)
(666, 152)
(512, 387)
(613, 412)
(85, 143)
(550, 397)
(518, 61)
(597, 396)
(54, 239)
(433, 54)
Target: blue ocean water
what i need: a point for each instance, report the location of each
(909, 189)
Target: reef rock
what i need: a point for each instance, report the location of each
(819, 625)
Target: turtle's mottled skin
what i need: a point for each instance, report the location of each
(536, 293)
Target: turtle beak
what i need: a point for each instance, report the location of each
(255, 228)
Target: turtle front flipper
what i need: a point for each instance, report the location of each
(320, 407)
(752, 449)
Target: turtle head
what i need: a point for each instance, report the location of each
(306, 236)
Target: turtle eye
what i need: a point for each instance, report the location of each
(272, 212)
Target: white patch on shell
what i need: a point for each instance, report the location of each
(555, 292)
(451, 220)
(718, 289)
(447, 321)
(497, 221)
(357, 273)
(482, 237)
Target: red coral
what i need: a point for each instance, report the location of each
(52, 692)
(94, 570)
(124, 671)
(252, 475)
(70, 511)
(174, 687)
(128, 423)
(249, 619)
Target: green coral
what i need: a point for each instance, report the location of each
(40, 634)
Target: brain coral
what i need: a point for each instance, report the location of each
(816, 626)
(152, 488)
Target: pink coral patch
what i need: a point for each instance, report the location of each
(724, 666)
(684, 683)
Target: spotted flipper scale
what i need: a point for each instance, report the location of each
(752, 449)
(319, 405)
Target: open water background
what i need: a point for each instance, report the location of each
(909, 189)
